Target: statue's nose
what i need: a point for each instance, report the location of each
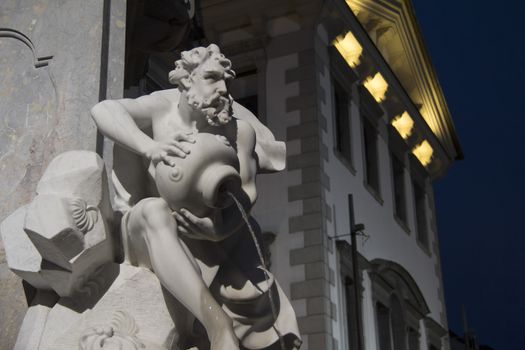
(221, 88)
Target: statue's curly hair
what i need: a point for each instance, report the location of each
(210, 57)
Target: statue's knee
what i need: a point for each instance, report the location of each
(155, 211)
(151, 206)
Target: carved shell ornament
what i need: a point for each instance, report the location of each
(120, 335)
(84, 216)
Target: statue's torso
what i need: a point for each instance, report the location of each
(169, 121)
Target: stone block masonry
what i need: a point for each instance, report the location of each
(316, 325)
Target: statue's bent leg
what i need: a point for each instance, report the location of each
(178, 272)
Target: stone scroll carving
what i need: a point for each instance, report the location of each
(177, 262)
(38, 60)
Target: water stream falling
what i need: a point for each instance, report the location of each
(261, 258)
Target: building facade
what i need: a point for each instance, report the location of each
(350, 88)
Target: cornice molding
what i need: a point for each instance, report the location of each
(400, 15)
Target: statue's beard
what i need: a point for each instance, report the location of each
(217, 108)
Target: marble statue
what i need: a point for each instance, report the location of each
(185, 163)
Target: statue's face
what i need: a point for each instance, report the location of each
(210, 86)
(208, 92)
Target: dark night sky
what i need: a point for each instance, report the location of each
(477, 48)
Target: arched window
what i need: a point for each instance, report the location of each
(400, 307)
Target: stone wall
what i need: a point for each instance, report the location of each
(57, 59)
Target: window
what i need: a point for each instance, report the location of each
(397, 323)
(398, 174)
(413, 339)
(342, 122)
(371, 157)
(383, 327)
(421, 214)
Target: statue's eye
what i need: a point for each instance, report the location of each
(212, 75)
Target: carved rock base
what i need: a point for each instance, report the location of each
(131, 314)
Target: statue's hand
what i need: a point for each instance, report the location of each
(194, 226)
(164, 151)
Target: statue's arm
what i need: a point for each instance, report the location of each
(122, 120)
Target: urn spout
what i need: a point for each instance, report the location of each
(216, 182)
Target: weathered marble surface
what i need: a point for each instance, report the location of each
(45, 106)
(45, 103)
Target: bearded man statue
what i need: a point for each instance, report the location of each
(185, 163)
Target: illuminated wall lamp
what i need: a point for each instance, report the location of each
(349, 48)
(403, 124)
(423, 152)
(377, 86)
(353, 6)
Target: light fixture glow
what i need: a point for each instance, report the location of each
(423, 152)
(354, 7)
(377, 86)
(403, 124)
(349, 48)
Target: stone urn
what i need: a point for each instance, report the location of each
(200, 182)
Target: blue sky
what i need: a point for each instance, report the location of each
(477, 48)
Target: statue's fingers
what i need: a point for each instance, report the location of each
(167, 160)
(180, 146)
(181, 220)
(185, 137)
(176, 151)
(190, 217)
(183, 230)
